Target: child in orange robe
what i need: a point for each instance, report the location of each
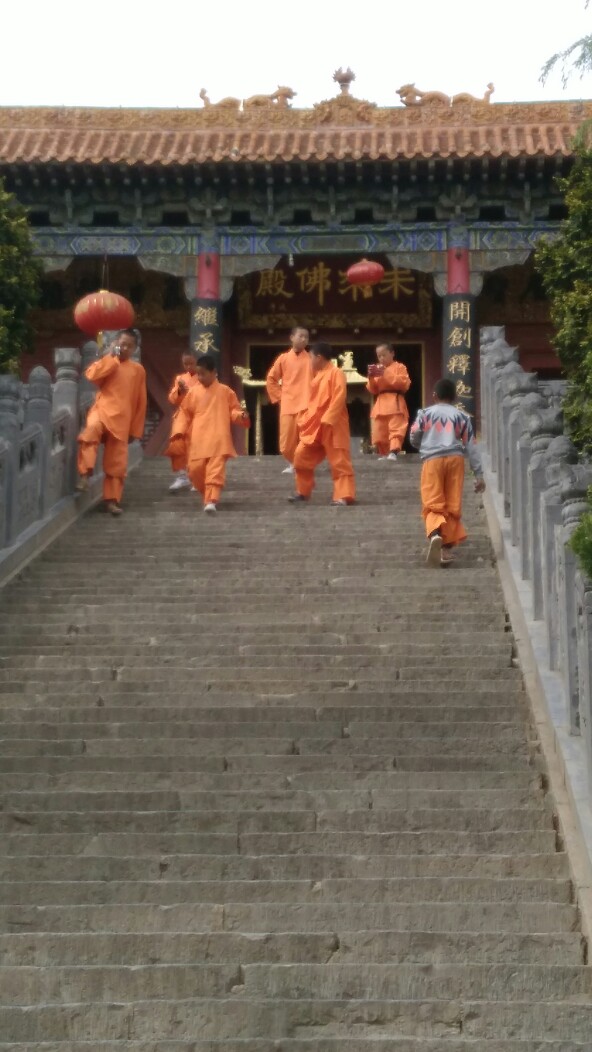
(389, 381)
(444, 436)
(324, 431)
(176, 448)
(288, 383)
(204, 420)
(115, 418)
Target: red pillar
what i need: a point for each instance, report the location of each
(206, 308)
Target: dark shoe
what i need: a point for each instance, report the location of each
(297, 498)
(113, 508)
(82, 484)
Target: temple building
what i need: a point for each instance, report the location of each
(227, 224)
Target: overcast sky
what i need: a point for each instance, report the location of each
(127, 53)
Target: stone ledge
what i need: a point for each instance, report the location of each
(564, 752)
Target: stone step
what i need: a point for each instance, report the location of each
(224, 1018)
(502, 740)
(480, 916)
(478, 820)
(265, 721)
(180, 775)
(183, 661)
(291, 1044)
(27, 985)
(428, 843)
(90, 949)
(274, 800)
(301, 876)
(343, 692)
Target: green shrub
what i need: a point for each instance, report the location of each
(20, 275)
(581, 541)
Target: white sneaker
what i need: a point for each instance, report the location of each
(392, 456)
(181, 482)
(210, 509)
(289, 470)
(434, 551)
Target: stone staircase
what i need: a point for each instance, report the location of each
(269, 783)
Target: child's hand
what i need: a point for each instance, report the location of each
(479, 485)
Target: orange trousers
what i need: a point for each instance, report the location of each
(388, 433)
(307, 458)
(208, 476)
(288, 435)
(177, 453)
(441, 497)
(114, 456)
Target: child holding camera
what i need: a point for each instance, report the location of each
(388, 380)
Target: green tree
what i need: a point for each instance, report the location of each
(20, 275)
(565, 266)
(576, 59)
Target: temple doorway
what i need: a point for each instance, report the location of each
(263, 438)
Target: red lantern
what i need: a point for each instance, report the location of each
(366, 272)
(103, 310)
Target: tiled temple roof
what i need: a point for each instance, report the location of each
(341, 129)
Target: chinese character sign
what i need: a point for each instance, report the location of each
(317, 289)
(459, 347)
(206, 322)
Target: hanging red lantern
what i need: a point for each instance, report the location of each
(103, 310)
(366, 272)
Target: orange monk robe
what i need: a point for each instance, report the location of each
(116, 416)
(288, 382)
(390, 415)
(204, 419)
(324, 432)
(176, 448)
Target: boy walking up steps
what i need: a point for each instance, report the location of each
(444, 435)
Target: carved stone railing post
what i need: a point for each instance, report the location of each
(520, 452)
(66, 407)
(561, 455)
(10, 401)
(495, 355)
(574, 492)
(583, 599)
(549, 424)
(38, 411)
(517, 385)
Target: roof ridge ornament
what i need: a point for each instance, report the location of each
(344, 79)
(412, 96)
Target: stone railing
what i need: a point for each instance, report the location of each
(39, 424)
(541, 484)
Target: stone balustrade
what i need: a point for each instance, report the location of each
(39, 424)
(542, 485)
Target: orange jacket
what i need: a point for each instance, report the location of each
(176, 396)
(389, 389)
(205, 417)
(122, 398)
(295, 373)
(327, 407)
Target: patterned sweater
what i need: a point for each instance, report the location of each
(442, 430)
